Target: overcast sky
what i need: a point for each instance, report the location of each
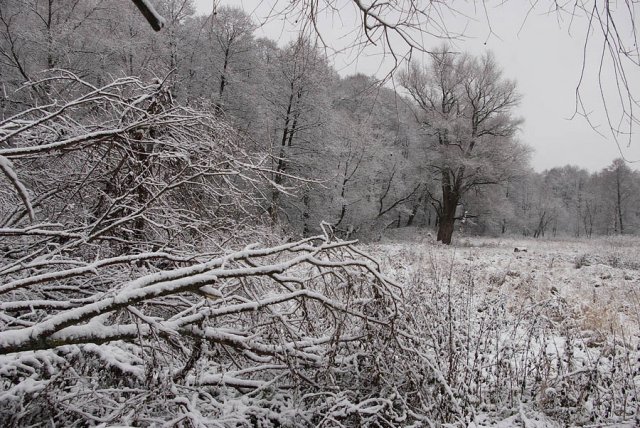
(545, 58)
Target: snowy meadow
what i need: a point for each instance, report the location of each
(527, 332)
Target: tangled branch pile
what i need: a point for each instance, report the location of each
(117, 303)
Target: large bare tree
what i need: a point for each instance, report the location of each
(465, 107)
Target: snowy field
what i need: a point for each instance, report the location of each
(518, 325)
(599, 279)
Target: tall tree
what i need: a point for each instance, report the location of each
(299, 101)
(465, 107)
(620, 186)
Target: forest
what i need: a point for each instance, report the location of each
(184, 221)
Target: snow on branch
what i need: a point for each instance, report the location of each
(7, 169)
(248, 318)
(54, 329)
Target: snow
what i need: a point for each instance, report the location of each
(116, 356)
(7, 168)
(525, 418)
(531, 311)
(49, 147)
(90, 268)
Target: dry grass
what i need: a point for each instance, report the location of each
(528, 328)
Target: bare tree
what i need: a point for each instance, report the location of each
(298, 97)
(232, 31)
(376, 165)
(620, 187)
(465, 106)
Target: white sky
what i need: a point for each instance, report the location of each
(544, 58)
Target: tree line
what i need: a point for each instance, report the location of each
(566, 201)
(440, 151)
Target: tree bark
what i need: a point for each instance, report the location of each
(447, 212)
(445, 230)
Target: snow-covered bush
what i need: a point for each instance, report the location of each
(262, 334)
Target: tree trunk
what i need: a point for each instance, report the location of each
(51, 62)
(619, 201)
(223, 75)
(447, 219)
(447, 214)
(414, 211)
(588, 221)
(445, 230)
(542, 224)
(305, 214)
(282, 164)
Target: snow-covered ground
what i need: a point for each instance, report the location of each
(598, 278)
(562, 315)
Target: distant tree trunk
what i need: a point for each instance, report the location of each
(305, 214)
(51, 62)
(414, 211)
(619, 201)
(343, 211)
(542, 224)
(587, 220)
(287, 135)
(447, 213)
(223, 75)
(578, 216)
